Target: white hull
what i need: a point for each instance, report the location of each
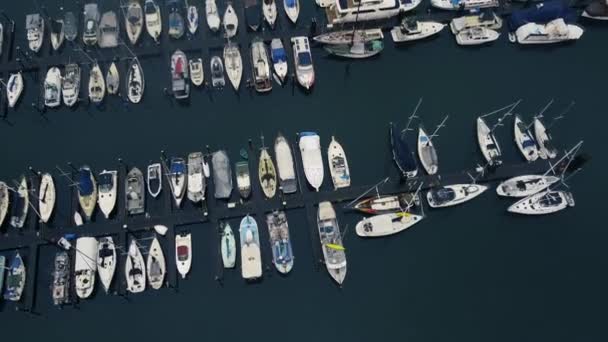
(106, 261)
(154, 174)
(46, 202)
(251, 258)
(338, 165)
(526, 185)
(136, 24)
(427, 153)
(387, 224)
(18, 218)
(312, 160)
(331, 242)
(183, 253)
(476, 36)
(213, 18)
(106, 198)
(4, 203)
(85, 266)
(113, 80)
(233, 64)
(231, 22)
(14, 89)
(543, 139)
(196, 180)
(305, 73)
(490, 149)
(450, 5)
(197, 75)
(153, 20)
(542, 203)
(553, 32)
(368, 12)
(589, 16)
(269, 8)
(524, 141)
(135, 269)
(285, 165)
(135, 82)
(292, 9)
(71, 84)
(52, 88)
(459, 193)
(192, 17)
(157, 267)
(279, 58)
(97, 85)
(424, 30)
(228, 247)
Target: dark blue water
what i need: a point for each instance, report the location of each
(471, 273)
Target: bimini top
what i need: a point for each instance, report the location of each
(542, 13)
(278, 55)
(85, 184)
(178, 167)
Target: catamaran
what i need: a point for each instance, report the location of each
(85, 266)
(52, 88)
(222, 175)
(71, 84)
(135, 82)
(285, 165)
(183, 253)
(135, 269)
(14, 88)
(177, 179)
(411, 30)
(305, 71)
(135, 192)
(243, 179)
(153, 19)
(450, 195)
(34, 25)
(524, 141)
(267, 174)
(90, 33)
(46, 197)
(108, 30)
(154, 179)
(338, 165)
(106, 261)
(134, 21)
(20, 206)
(228, 247)
(331, 242)
(542, 203)
(312, 160)
(157, 267)
(386, 224)
(261, 66)
(280, 242)
(251, 258)
(180, 83)
(87, 191)
(234, 64)
(196, 179)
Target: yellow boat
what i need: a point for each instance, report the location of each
(267, 174)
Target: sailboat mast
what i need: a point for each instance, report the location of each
(413, 116)
(507, 114)
(442, 124)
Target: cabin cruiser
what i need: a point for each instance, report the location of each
(196, 179)
(34, 25)
(217, 72)
(261, 66)
(108, 30)
(542, 13)
(113, 79)
(4, 205)
(60, 288)
(487, 19)
(14, 88)
(251, 257)
(456, 5)
(90, 34)
(153, 19)
(71, 84)
(231, 21)
(411, 30)
(177, 179)
(267, 174)
(427, 152)
(97, 85)
(598, 10)
(52, 88)
(388, 204)
(347, 11)
(280, 242)
(312, 160)
(243, 179)
(70, 26)
(555, 31)
(476, 36)
(331, 242)
(197, 75)
(450, 195)
(542, 203)
(338, 165)
(134, 21)
(20, 204)
(279, 58)
(180, 81)
(192, 18)
(305, 71)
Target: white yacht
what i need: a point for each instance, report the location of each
(487, 143)
(411, 30)
(524, 141)
(338, 165)
(292, 9)
(71, 84)
(525, 185)
(34, 25)
(183, 253)
(228, 247)
(251, 258)
(543, 139)
(213, 18)
(106, 261)
(157, 267)
(546, 202)
(85, 266)
(456, 5)
(331, 242)
(154, 179)
(52, 88)
(234, 64)
(231, 21)
(197, 75)
(303, 62)
(386, 224)
(14, 88)
(312, 160)
(269, 9)
(107, 184)
(555, 31)
(46, 197)
(285, 165)
(97, 85)
(135, 269)
(90, 33)
(450, 195)
(347, 11)
(135, 82)
(134, 21)
(154, 23)
(196, 180)
(476, 36)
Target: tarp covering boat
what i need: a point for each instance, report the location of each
(542, 13)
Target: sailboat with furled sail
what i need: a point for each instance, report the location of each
(402, 155)
(488, 144)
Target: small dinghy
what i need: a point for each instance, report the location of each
(338, 165)
(347, 37)
(177, 179)
(285, 165)
(411, 30)
(231, 21)
(183, 253)
(450, 195)
(70, 26)
(154, 24)
(57, 33)
(267, 174)
(243, 179)
(525, 185)
(52, 88)
(14, 88)
(60, 288)
(312, 160)
(228, 247)
(542, 203)
(253, 14)
(90, 33)
(113, 79)
(97, 85)
(476, 36)
(135, 269)
(543, 139)
(15, 279)
(386, 224)
(4, 205)
(192, 17)
(222, 175)
(87, 191)
(196, 179)
(280, 241)
(106, 261)
(71, 84)
(269, 8)
(217, 72)
(292, 9)
(34, 26)
(427, 152)
(177, 26)
(524, 141)
(85, 266)
(387, 204)
(135, 193)
(108, 30)
(213, 18)
(197, 75)
(180, 83)
(134, 21)
(487, 143)
(260, 63)
(20, 205)
(234, 64)
(46, 197)
(154, 179)
(135, 82)
(157, 267)
(302, 56)
(279, 59)
(251, 258)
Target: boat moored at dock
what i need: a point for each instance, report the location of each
(180, 79)
(269, 9)
(113, 79)
(544, 140)
(135, 192)
(177, 26)
(71, 84)
(87, 191)
(134, 21)
(410, 30)
(196, 179)
(344, 11)
(312, 160)
(57, 34)
(60, 288)
(157, 267)
(386, 224)
(90, 33)
(338, 165)
(456, 5)
(135, 82)
(153, 19)
(46, 197)
(234, 64)
(267, 174)
(555, 31)
(228, 247)
(251, 257)
(222, 175)
(597, 10)
(177, 179)
(183, 253)
(14, 88)
(34, 26)
(106, 261)
(450, 195)
(280, 242)
(303, 62)
(402, 154)
(20, 204)
(213, 18)
(331, 242)
(231, 21)
(154, 179)
(387, 204)
(52, 88)
(108, 30)
(348, 36)
(85, 266)
(97, 85)
(197, 75)
(192, 18)
(292, 9)
(279, 58)
(524, 141)
(427, 152)
(5, 201)
(542, 203)
(243, 179)
(70, 26)
(135, 269)
(476, 36)
(285, 165)
(253, 14)
(488, 19)
(525, 185)
(260, 64)
(15, 279)
(490, 149)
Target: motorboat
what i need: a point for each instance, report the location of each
(192, 18)
(107, 185)
(213, 18)
(196, 179)
(134, 21)
(180, 83)
(177, 179)
(108, 30)
(90, 33)
(348, 36)
(87, 191)
(106, 261)
(524, 141)
(57, 34)
(267, 174)
(597, 10)
(525, 185)
(542, 13)
(476, 36)
(338, 165)
(280, 241)
(411, 30)
(543, 139)
(427, 153)
(52, 88)
(97, 85)
(555, 31)
(292, 9)
(157, 267)
(357, 49)
(177, 27)
(285, 165)
(386, 224)
(488, 19)
(303, 62)
(279, 59)
(456, 5)
(331, 242)
(260, 64)
(231, 21)
(20, 204)
(5, 201)
(15, 279)
(450, 195)
(71, 84)
(222, 175)
(228, 247)
(70, 26)
(402, 154)
(154, 23)
(341, 12)
(269, 9)
(154, 179)
(197, 75)
(217, 72)
(14, 88)
(34, 26)
(312, 160)
(234, 64)
(113, 79)
(542, 203)
(251, 258)
(135, 82)
(60, 289)
(243, 179)
(490, 149)
(46, 197)
(183, 253)
(388, 204)
(135, 269)
(85, 266)
(135, 192)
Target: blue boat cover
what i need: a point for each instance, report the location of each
(178, 168)
(542, 13)
(278, 55)
(85, 184)
(401, 152)
(528, 143)
(304, 58)
(70, 236)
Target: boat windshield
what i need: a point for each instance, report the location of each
(150, 8)
(105, 182)
(291, 3)
(178, 168)
(304, 59)
(528, 143)
(182, 253)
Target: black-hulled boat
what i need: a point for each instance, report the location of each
(253, 14)
(402, 155)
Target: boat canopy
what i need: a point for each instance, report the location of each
(178, 167)
(85, 184)
(182, 253)
(106, 181)
(304, 58)
(402, 153)
(278, 55)
(542, 13)
(528, 143)
(551, 199)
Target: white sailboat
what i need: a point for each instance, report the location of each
(97, 84)
(134, 21)
(85, 266)
(543, 139)
(157, 267)
(197, 75)
(135, 82)
(46, 197)
(228, 247)
(524, 141)
(183, 253)
(450, 195)
(106, 192)
(213, 18)
(331, 242)
(312, 160)
(34, 25)
(427, 152)
(113, 79)
(302, 56)
(490, 149)
(525, 185)
(106, 261)
(135, 269)
(338, 165)
(233, 64)
(542, 203)
(269, 8)
(14, 87)
(231, 21)
(52, 88)
(386, 224)
(154, 24)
